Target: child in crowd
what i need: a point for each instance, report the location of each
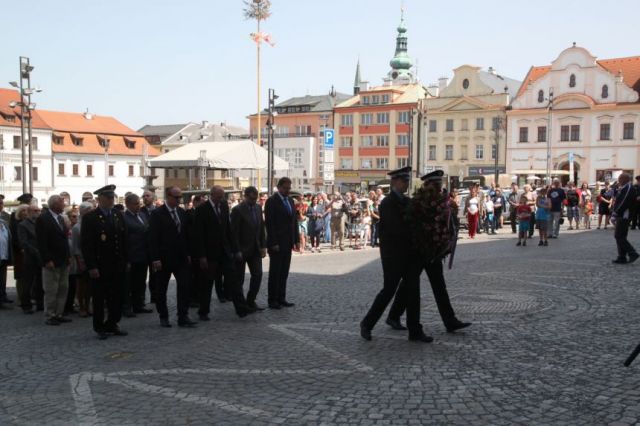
(543, 206)
(524, 216)
(489, 224)
(588, 211)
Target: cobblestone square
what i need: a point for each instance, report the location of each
(551, 328)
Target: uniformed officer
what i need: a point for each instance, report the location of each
(399, 260)
(433, 266)
(103, 236)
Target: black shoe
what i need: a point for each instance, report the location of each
(633, 257)
(102, 335)
(365, 333)
(456, 325)
(222, 300)
(546, 243)
(421, 338)
(255, 307)
(524, 243)
(204, 317)
(165, 323)
(541, 243)
(117, 332)
(7, 301)
(287, 304)
(274, 306)
(142, 311)
(52, 321)
(63, 319)
(28, 311)
(40, 308)
(395, 324)
(620, 261)
(186, 322)
(129, 314)
(519, 244)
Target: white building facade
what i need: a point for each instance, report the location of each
(300, 152)
(594, 111)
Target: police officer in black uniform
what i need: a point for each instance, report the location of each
(103, 236)
(399, 260)
(434, 270)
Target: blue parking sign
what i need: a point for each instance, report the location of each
(328, 138)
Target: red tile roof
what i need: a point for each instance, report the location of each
(629, 66)
(7, 113)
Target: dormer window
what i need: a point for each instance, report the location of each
(385, 99)
(365, 100)
(465, 83)
(572, 80)
(103, 141)
(77, 140)
(57, 139)
(375, 99)
(540, 96)
(605, 92)
(130, 143)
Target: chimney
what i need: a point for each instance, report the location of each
(433, 89)
(364, 86)
(492, 71)
(205, 124)
(88, 115)
(442, 83)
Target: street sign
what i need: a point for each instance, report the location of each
(328, 176)
(329, 167)
(328, 156)
(328, 138)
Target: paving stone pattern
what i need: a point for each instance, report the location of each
(552, 326)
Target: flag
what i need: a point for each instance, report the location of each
(262, 36)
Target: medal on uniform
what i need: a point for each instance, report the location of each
(103, 237)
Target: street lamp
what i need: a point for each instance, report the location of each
(549, 133)
(270, 139)
(497, 126)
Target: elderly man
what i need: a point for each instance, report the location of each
(137, 257)
(30, 285)
(620, 215)
(103, 235)
(53, 244)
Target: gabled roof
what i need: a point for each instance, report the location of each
(317, 103)
(629, 66)
(162, 130)
(498, 83)
(206, 132)
(408, 93)
(6, 112)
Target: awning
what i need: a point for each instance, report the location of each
(538, 172)
(232, 155)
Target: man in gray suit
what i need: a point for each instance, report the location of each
(249, 237)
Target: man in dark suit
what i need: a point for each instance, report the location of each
(635, 212)
(31, 281)
(137, 257)
(399, 260)
(248, 235)
(16, 252)
(169, 247)
(215, 251)
(103, 235)
(53, 244)
(194, 267)
(282, 237)
(624, 201)
(148, 205)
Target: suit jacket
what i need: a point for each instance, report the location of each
(146, 212)
(137, 238)
(193, 237)
(166, 243)
(282, 226)
(213, 233)
(53, 240)
(29, 242)
(248, 234)
(103, 240)
(6, 225)
(393, 231)
(625, 201)
(6, 217)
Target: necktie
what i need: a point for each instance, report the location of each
(286, 203)
(61, 222)
(175, 219)
(218, 209)
(140, 219)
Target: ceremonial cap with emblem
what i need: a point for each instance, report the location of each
(435, 176)
(107, 191)
(403, 173)
(25, 198)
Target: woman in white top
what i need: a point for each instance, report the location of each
(472, 210)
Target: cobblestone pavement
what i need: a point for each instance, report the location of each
(552, 326)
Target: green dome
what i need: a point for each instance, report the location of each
(401, 62)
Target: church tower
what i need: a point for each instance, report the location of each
(401, 63)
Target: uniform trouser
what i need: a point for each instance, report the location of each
(215, 271)
(135, 286)
(398, 272)
(255, 269)
(56, 283)
(194, 281)
(108, 289)
(30, 285)
(279, 264)
(554, 224)
(71, 293)
(635, 216)
(181, 274)
(532, 225)
(624, 246)
(337, 231)
(436, 279)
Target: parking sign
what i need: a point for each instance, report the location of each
(328, 138)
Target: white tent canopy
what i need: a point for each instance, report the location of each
(232, 155)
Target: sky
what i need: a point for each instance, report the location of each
(167, 61)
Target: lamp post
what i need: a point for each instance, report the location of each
(270, 140)
(549, 133)
(106, 160)
(497, 127)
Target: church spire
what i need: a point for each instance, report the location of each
(401, 63)
(357, 80)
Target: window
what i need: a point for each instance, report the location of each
(303, 130)
(16, 142)
(60, 169)
(564, 133)
(382, 163)
(575, 132)
(479, 123)
(463, 152)
(111, 171)
(34, 143)
(465, 83)
(34, 173)
(75, 170)
(346, 141)
(375, 99)
(383, 118)
(366, 140)
(18, 173)
(366, 119)
(366, 163)
(346, 163)
(58, 140)
(464, 124)
(494, 151)
(89, 170)
(385, 99)
(78, 141)
(402, 162)
(524, 134)
(433, 126)
(403, 117)
(572, 80)
(605, 131)
(540, 96)
(382, 140)
(365, 100)
(605, 92)
(131, 144)
(403, 140)
(346, 120)
(432, 152)
(448, 152)
(495, 123)
(542, 133)
(449, 125)
(131, 171)
(479, 152)
(627, 131)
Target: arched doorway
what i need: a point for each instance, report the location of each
(576, 173)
